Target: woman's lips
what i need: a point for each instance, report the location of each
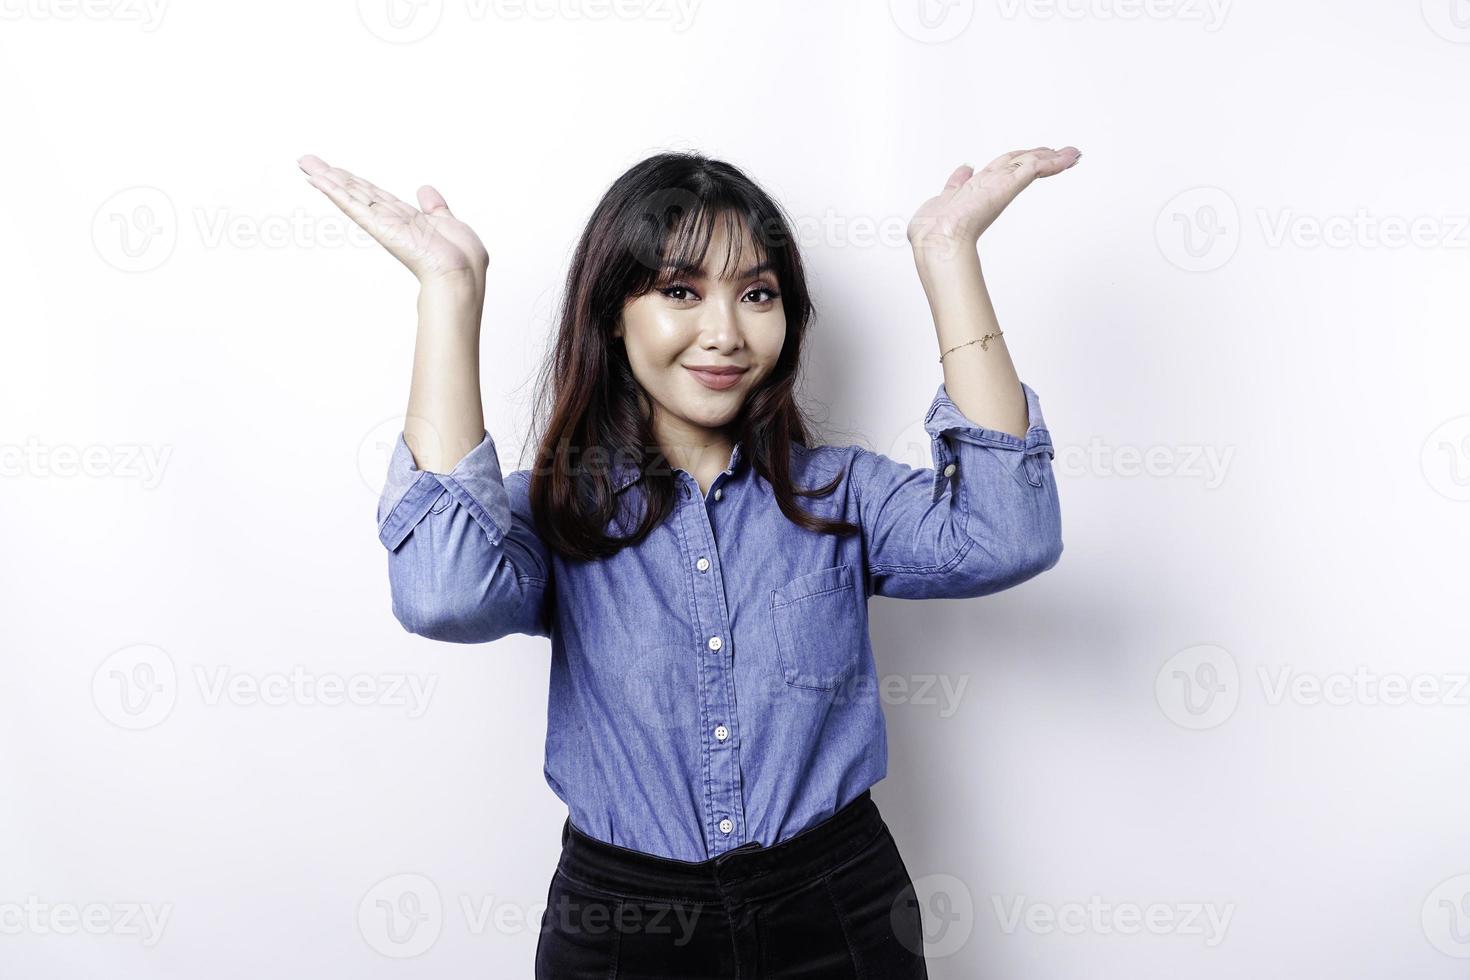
(719, 382)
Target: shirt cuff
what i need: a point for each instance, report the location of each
(475, 482)
(945, 417)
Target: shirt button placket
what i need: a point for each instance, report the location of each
(718, 744)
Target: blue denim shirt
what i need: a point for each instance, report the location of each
(715, 685)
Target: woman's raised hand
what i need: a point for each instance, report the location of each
(434, 244)
(971, 200)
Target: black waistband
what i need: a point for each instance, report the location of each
(757, 871)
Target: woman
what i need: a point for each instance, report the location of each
(701, 568)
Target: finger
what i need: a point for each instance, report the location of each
(380, 196)
(358, 188)
(1005, 160)
(961, 174)
(1055, 161)
(311, 164)
(432, 202)
(355, 209)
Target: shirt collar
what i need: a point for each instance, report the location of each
(625, 474)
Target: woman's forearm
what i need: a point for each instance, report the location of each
(445, 415)
(979, 377)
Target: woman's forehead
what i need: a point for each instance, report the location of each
(722, 239)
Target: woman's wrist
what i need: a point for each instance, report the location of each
(941, 257)
(452, 300)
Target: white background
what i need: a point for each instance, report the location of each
(1215, 291)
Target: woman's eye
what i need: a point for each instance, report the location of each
(669, 291)
(770, 294)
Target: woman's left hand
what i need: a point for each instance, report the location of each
(972, 200)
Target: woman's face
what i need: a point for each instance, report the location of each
(736, 326)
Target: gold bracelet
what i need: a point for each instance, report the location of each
(984, 343)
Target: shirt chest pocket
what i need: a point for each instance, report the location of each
(819, 623)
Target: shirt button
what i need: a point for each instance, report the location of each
(949, 470)
(715, 643)
(726, 826)
(721, 733)
(702, 564)
(719, 492)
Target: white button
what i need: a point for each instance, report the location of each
(726, 826)
(715, 643)
(702, 564)
(949, 470)
(721, 733)
(719, 492)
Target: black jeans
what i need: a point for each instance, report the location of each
(835, 902)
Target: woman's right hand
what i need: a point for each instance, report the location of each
(435, 245)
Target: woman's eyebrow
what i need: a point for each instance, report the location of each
(697, 272)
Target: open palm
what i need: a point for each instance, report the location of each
(972, 200)
(431, 241)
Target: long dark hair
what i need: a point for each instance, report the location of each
(658, 215)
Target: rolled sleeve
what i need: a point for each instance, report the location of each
(984, 518)
(465, 561)
(944, 417)
(475, 483)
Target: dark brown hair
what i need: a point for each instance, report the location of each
(659, 215)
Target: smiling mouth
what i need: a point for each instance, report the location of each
(717, 379)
